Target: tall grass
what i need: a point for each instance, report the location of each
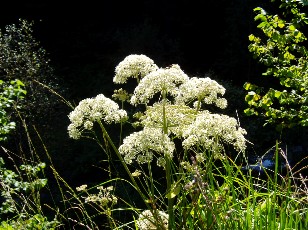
(217, 195)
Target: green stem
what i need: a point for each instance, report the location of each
(198, 105)
(168, 170)
(170, 200)
(121, 126)
(152, 183)
(121, 160)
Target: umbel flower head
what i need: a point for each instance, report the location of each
(91, 110)
(142, 145)
(203, 90)
(133, 66)
(209, 130)
(146, 220)
(162, 80)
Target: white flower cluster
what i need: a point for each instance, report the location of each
(178, 112)
(141, 145)
(147, 221)
(194, 126)
(94, 109)
(203, 90)
(135, 66)
(163, 80)
(209, 130)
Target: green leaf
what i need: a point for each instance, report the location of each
(281, 24)
(175, 190)
(262, 24)
(256, 97)
(250, 112)
(251, 37)
(292, 28)
(277, 94)
(247, 86)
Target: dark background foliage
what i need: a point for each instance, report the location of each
(86, 40)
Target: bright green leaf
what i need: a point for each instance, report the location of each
(175, 190)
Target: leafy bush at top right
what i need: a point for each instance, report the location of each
(282, 50)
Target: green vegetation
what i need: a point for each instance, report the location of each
(173, 158)
(10, 94)
(20, 194)
(282, 50)
(22, 58)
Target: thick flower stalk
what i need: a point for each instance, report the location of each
(133, 66)
(164, 80)
(210, 130)
(201, 90)
(141, 146)
(91, 110)
(177, 117)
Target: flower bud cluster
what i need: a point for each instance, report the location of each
(103, 198)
